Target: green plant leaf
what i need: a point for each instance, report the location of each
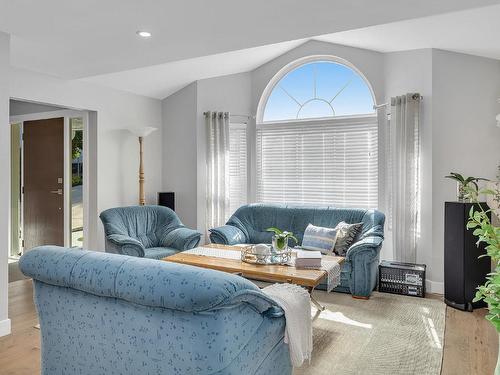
(274, 230)
(489, 235)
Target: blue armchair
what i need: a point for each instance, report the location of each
(108, 314)
(359, 271)
(146, 231)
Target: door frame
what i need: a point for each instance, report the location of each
(66, 114)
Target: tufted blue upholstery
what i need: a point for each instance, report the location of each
(360, 269)
(146, 231)
(109, 314)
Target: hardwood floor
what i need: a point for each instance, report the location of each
(20, 351)
(470, 346)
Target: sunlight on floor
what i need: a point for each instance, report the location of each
(430, 329)
(337, 317)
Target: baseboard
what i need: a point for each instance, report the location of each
(434, 287)
(4, 327)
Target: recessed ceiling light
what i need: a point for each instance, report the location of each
(144, 34)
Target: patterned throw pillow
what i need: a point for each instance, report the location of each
(320, 239)
(346, 236)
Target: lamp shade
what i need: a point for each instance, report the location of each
(142, 132)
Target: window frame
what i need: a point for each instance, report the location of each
(261, 107)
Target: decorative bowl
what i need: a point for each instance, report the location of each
(255, 255)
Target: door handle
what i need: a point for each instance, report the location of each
(58, 191)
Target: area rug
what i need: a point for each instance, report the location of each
(387, 334)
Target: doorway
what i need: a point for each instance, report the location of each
(49, 180)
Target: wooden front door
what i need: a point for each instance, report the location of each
(43, 176)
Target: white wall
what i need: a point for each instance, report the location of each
(184, 154)
(180, 152)
(117, 150)
(465, 138)
(5, 185)
(411, 71)
(17, 108)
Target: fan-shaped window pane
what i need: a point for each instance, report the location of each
(316, 90)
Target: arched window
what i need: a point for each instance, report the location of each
(317, 136)
(318, 89)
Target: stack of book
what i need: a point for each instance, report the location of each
(308, 259)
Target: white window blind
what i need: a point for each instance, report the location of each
(332, 161)
(237, 166)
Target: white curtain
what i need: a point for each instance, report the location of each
(217, 124)
(403, 176)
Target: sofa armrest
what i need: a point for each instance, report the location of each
(127, 245)
(227, 235)
(367, 244)
(181, 239)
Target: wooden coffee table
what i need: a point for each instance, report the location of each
(307, 278)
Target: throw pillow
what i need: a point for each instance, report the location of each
(346, 236)
(319, 238)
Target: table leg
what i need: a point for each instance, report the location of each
(315, 302)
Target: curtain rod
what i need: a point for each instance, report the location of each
(232, 115)
(414, 97)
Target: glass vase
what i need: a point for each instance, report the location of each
(460, 192)
(279, 244)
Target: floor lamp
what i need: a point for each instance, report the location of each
(141, 133)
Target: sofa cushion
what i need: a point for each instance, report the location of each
(319, 238)
(346, 236)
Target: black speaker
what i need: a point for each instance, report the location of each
(167, 200)
(463, 270)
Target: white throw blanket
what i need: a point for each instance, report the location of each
(296, 303)
(332, 269)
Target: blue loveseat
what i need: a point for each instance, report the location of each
(360, 269)
(146, 231)
(110, 314)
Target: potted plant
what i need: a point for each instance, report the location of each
(464, 183)
(489, 234)
(280, 238)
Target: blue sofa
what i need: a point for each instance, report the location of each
(109, 314)
(360, 269)
(146, 231)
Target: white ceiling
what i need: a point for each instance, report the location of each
(75, 39)
(160, 81)
(471, 31)
(474, 31)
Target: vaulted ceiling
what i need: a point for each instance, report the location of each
(192, 39)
